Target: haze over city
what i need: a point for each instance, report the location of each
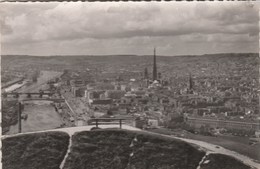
(129, 28)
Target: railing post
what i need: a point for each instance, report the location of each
(96, 123)
(120, 123)
(19, 117)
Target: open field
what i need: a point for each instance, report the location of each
(34, 151)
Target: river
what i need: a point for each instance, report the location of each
(41, 116)
(41, 83)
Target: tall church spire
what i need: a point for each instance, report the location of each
(154, 65)
(146, 73)
(190, 84)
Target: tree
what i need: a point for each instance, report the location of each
(109, 112)
(127, 110)
(202, 129)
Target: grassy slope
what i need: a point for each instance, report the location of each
(9, 114)
(34, 151)
(220, 161)
(237, 144)
(109, 149)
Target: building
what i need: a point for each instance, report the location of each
(257, 133)
(77, 82)
(197, 122)
(94, 95)
(114, 94)
(104, 86)
(140, 122)
(101, 102)
(153, 123)
(76, 91)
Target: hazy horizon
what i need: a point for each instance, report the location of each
(127, 54)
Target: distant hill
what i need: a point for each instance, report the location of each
(168, 66)
(121, 57)
(73, 60)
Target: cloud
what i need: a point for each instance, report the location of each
(214, 38)
(29, 23)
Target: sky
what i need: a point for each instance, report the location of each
(96, 28)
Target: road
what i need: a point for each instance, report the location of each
(77, 105)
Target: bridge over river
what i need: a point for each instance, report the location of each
(32, 96)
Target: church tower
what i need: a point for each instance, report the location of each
(190, 85)
(146, 73)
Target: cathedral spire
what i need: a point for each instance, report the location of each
(154, 65)
(190, 84)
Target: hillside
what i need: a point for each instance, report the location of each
(132, 66)
(217, 161)
(108, 149)
(120, 149)
(34, 151)
(22, 61)
(9, 115)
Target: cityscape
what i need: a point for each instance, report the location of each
(131, 110)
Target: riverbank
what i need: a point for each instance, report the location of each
(14, 87)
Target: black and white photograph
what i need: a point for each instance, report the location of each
(130, 85)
